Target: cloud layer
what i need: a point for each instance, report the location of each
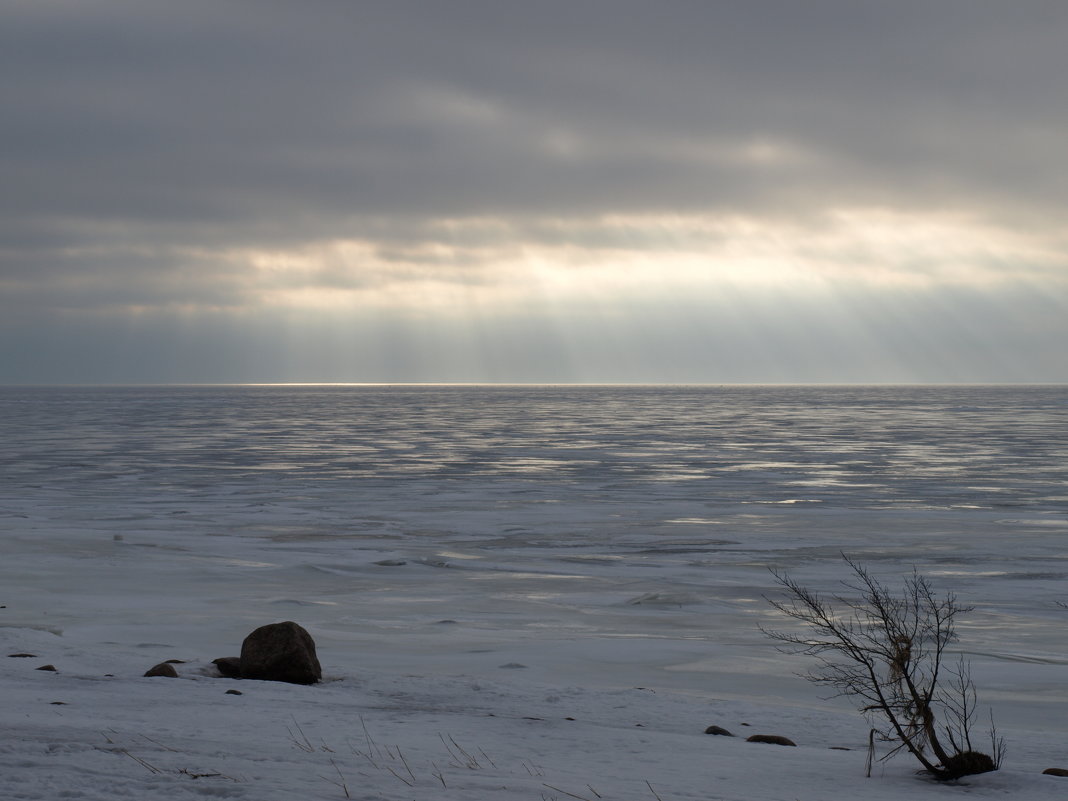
(595, 189)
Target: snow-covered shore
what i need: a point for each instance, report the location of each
(459, 667)
(80, 733)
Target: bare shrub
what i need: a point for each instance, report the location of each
(888, 651)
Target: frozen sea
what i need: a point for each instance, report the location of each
(556, 536)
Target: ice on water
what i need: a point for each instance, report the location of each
(464, 528)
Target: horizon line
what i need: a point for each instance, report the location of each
(176, 384)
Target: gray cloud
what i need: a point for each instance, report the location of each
(143, 142)
(235, 112)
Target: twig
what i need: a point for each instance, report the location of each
(191, 775)
(651, 790)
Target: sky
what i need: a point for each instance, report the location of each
(555, 191)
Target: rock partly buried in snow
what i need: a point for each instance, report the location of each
(968, 763)
(772, 739)
(50, 668)
(1055, 772)
(165, 669)
(718, 730)
(280, 652)
(228, 666)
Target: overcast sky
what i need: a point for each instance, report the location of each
(852, 190)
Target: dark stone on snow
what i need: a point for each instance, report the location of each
(280, 652)
(22, 656)
(175, 661)
(772, 739)
(967, 764)
(718, 730)
(228, 666)
(1055, 772)
(234, 692)
(165, 669)
(51, 668)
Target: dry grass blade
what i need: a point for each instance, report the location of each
(157, 742)
(437, 774)
(151, 768)
(303, 743)
(341, 783)
(565, 792)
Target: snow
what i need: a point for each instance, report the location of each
(463, 659)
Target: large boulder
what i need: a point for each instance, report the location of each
(280, 652)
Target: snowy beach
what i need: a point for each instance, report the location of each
(515, 593)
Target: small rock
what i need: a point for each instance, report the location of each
(772, 739)
(22, 656)
(391, 562)
(512, 666)
(58, 703)
(165, 669)
(234, 692)
(968, 763)
(228, 666)
(175, 661)
(718, 730)
(47, 667)
(1055, 772)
